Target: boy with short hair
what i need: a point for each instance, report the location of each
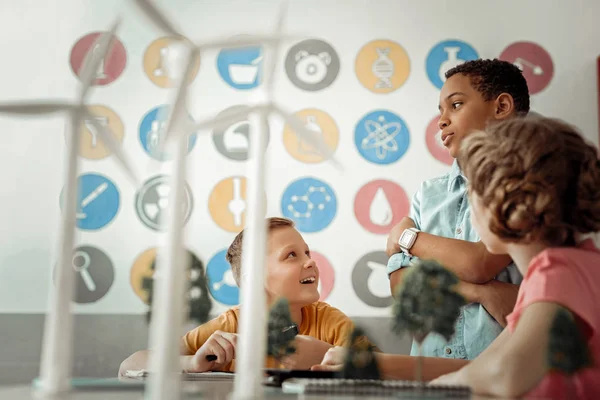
(475, 94)
(290, 273)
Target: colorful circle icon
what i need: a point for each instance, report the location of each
(152, 201)
(534, 61)
(152, 130)
(141, 270)
(435, 145)
(312, 65)
(319, 122)
(98, 201)
(233, 141)
(311, 203)
(158, 64)
(379, 205)
(227, 203)
(370, 280)
(94, 274)
(91, 145)
(326, 274)
(382, 66)
(241, 68)
(221, 283)
(110, 68)
(446, 55)
(381, 137)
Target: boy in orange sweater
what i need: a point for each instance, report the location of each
(290, 273)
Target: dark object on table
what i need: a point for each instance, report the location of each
(568, 351)
(199, 302)
(426, 302)
(277, 376)
(360, 362)
(281, 330)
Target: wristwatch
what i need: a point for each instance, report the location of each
(407, 239)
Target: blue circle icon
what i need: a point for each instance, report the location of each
(381, 137)
(240, 67)
(310, 203)
(446, 55)
(151, 130)
(221, 282)
(98, 201)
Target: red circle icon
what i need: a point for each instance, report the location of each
(434, 142)
(110, 68)
(534, 61)
(379, 205)
(326, 274)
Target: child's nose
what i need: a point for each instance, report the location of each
(310, 264)
(443, 122)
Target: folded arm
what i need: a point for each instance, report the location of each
(520, 364)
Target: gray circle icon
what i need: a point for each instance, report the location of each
(370, 280)
(312, 64)
(152, 200)
(233, 141)
(94, 274)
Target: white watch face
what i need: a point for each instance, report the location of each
(406, 238)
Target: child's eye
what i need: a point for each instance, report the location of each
(308, 253)
(292, 254)
(456, 104)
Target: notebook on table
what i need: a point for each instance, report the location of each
(186, 376)
(372, 387)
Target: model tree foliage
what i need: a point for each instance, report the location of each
(281, 330)
(426, 302)
(360, 362)
(198, 298)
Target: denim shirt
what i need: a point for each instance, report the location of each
(440, 207)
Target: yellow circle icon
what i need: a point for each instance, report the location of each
(156, 64)
(227, 203)
(382, 66)
(91, 145)
(142, 268)
(315, 120)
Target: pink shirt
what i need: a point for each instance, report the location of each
(569, 276)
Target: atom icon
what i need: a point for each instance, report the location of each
(381, 136)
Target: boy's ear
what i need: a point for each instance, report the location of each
(505, 106)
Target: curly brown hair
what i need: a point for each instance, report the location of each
(538, 177)
(234, 252)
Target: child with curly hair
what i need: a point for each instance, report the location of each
(534, 188)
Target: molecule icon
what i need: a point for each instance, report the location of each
(309, 204)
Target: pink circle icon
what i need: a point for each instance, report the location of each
(109, 69)
(534, 61)
(434, 142)
(326, 274)
(379, 205)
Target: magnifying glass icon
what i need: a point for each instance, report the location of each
(81, 263)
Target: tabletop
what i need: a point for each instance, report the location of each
(218, 390)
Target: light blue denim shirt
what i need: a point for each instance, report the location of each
(440, 207)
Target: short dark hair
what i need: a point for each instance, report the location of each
(491, 78)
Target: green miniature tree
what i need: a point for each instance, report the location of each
(568, 350)
(281, 331)
(426, 302)
(197, 295)
(360, 362)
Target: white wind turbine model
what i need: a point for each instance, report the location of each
(164, 330)
(56, 360)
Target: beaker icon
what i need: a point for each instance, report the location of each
(451, 62)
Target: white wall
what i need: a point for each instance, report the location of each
(35, 52)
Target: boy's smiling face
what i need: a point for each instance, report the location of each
(291, 273)
(462, 111)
